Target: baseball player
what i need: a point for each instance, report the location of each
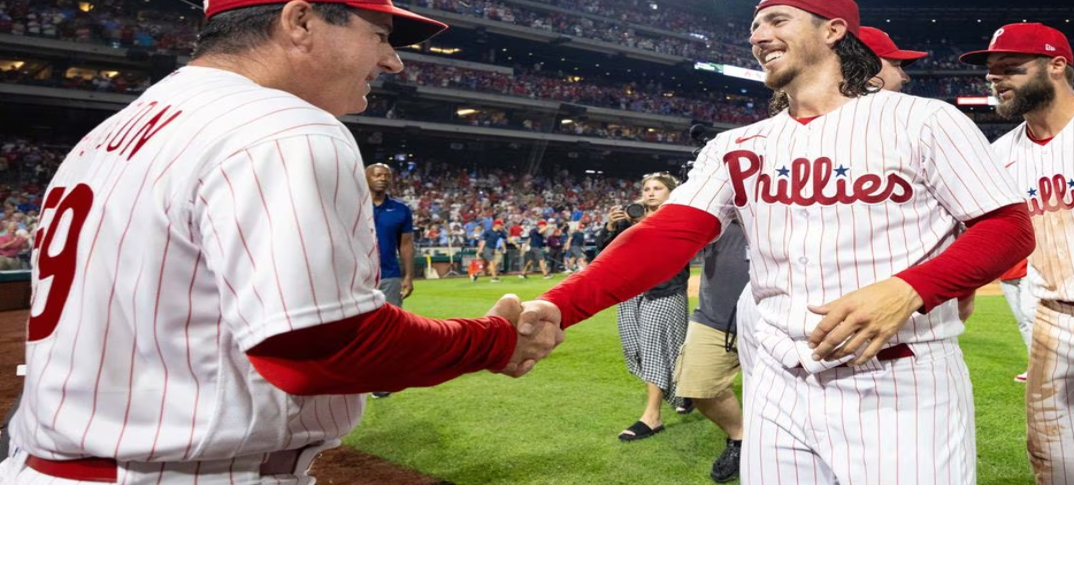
(205, 304)
(850, 199)
(892, 77)
(893, 61)
(1029, 66)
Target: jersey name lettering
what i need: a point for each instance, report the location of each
(1054, 195)
(807, 181)
(150, 124)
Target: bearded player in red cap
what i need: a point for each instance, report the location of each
(1029, 66)
(205, 304)
(851, 199)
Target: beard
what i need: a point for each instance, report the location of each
(780, 79)
(1037, 93)
(809, 55)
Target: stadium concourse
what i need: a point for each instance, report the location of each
(523, 111)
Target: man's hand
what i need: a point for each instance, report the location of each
(863, 319)
(615, 215)
(965, 307)
(406, 287)
(538, 331)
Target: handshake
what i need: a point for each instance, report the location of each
(538, 323)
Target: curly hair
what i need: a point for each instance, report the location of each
(858, 64)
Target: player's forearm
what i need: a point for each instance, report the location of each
(642, 257)
(991, 245)
(386, 350)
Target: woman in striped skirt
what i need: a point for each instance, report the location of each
(652, 326)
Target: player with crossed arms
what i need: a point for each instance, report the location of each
(205, 304)
(1029, 66)
(851, 200)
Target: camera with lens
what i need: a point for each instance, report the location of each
(635, 211)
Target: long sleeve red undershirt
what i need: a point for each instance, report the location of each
(385, 350)
(641, 257)
(991, 244)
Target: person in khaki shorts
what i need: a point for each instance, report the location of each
(708, 361)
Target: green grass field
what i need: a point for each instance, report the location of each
(558, 424)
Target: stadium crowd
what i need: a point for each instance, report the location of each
(25, 169)
(119, 23)
(650, 98)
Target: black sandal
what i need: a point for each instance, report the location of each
(686, 408)
(640, 430)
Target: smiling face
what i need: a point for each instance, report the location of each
(343, 60)
(787, 41)
(1020, 82)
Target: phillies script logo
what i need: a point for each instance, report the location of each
(1056, 194)
(810, 181)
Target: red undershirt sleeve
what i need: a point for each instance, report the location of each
(385, 350)
(991, 245)
(643, 256)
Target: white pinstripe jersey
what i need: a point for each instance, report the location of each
(207, 216)
(854, 197)
(1045, 176)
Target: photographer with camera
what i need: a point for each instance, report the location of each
(652, 325)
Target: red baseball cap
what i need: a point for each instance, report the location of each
(831, 9)
(408, 28)
(498, 222)
(1024, 39)
(885, 48)
(542, 222)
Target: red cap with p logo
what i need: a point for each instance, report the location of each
(1024, 39)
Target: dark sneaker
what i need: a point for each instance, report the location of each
(725, 468)
(380, 395)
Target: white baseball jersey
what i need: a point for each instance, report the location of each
(854, 197)
(1045, 175)
(205, 217)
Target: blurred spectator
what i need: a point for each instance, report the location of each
(14, 244)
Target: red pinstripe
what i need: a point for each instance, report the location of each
(272, 244)
(133, 360)
(327, 222)
(298, 228)
(156, 339)
(111, 296)
(212, 224)
(189, 360)
(793, 424)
